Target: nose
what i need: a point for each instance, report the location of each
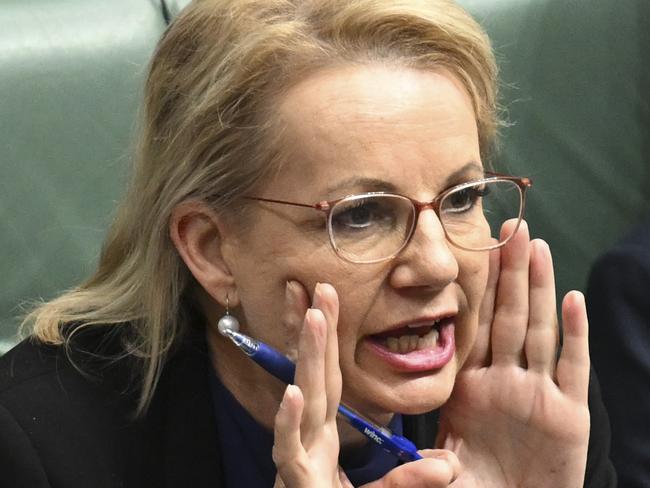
(427, 261)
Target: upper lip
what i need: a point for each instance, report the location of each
(420, 321)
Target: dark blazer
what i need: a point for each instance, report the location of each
(61, 428)
(618, 303)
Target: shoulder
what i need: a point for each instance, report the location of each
(27, 363)
(35, 375)
(57, 406)
(33, 372)
(71, 414)
(21, 462)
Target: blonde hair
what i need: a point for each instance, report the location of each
(208, 134)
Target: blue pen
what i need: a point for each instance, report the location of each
(284, 369)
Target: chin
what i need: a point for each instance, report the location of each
(408, 396)
(422, 396)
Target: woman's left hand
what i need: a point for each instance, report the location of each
(518, 416)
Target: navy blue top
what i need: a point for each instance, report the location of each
(246, 447)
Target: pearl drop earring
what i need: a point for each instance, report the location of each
(227, 322)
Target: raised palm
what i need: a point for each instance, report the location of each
(517, 417)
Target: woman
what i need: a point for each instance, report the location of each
(411, 286)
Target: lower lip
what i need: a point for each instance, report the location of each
(421, 360)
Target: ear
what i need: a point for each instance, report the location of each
(199, 234)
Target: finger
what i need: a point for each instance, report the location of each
(444, 454)
(511, 308)
(573, 365)
(288, 452)
(542, 335)
(437, 469)
(480, 355)
(310, 373)
(327, 301)
(296, 305)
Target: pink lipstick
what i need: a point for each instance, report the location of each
(416, 348)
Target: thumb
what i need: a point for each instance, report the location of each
(438, 469)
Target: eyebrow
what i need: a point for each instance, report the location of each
(467, 169)
(369, 184)
(376, 184)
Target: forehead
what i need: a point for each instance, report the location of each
(409, 127)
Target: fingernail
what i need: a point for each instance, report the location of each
(289, 291)
(578, 297)
(309, 315)
(284, 397)
(317, 325)
(287, 395)
(317, 294)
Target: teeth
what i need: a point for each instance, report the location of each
(415, 326)
(410, 343)
(429, 340)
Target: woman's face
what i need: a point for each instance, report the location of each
(351, 130)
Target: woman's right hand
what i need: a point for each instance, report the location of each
(306, 445)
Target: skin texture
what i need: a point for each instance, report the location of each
(409, 129)
(511, 416)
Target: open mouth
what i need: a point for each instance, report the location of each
(418, 347)
(411, 338)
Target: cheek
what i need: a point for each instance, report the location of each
(260, 274)
(472, 277)
(261, 283)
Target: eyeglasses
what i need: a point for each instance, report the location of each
(375, 226)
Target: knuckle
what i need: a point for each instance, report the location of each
(276, 455)
(512, 312)
(295, 471)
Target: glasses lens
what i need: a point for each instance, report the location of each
(473, 214)
(366, 228)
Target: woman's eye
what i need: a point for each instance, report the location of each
(464, 200)
(361, 216)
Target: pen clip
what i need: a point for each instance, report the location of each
(247, 344)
